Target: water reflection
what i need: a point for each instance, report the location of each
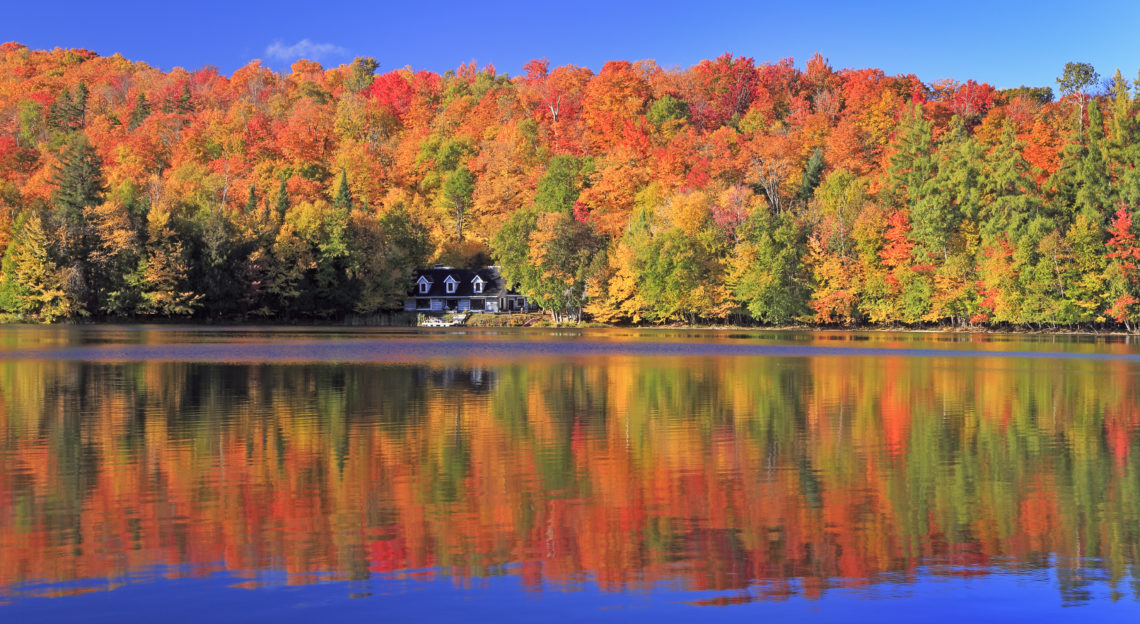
(765, 477)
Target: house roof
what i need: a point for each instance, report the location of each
(493, 283)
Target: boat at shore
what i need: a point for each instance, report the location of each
(437, 321)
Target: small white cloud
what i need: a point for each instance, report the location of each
(303, 49)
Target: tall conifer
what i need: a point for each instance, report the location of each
(282, 200)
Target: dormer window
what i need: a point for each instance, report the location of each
(477, 285)
(424, 285)
(450, 284)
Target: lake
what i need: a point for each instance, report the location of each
(297, 474)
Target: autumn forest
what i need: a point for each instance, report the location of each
(733, 190)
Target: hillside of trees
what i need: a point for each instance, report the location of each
(730, 190)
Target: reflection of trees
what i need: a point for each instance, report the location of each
(724, 473)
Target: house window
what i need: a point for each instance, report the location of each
(450, 284)
(423, 304)
(478, 287)
(424, 287)
(478, 304)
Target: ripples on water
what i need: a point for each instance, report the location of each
(282, 471)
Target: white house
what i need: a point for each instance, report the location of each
(447, 289)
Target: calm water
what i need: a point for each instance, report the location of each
(291, 475)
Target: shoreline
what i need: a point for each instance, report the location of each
(535, 321)
(544, 321)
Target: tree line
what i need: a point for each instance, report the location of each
(730, 190)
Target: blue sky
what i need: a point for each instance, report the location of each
(1004, 43)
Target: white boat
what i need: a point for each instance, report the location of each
(436, 321)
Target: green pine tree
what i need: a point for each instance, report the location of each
(912, 165)
(1124, 145)
(251, 203)
(813, 174)
(343, 200)
(78, 111)
(185, 105)
(1009, 189)
(59, 114)
(282, 200)
(79, 189)
(140, 112)
(1094, 194)
(79, 181)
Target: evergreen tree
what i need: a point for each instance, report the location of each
(1081, 183)
(925, 215)
(185, 105)
(79, 107)
(79, 183)
(68, 112)
(1009, 193)
(281, 203)
(813, 174)
(79, 189)
(940, 204)
(61, 111)
(343, 200)
(338, 250)
(1093, 197)
(1124, 144)
(140, 112)
(912, 164)
(251, 203)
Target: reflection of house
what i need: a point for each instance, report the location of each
(472, 379)
(445, 289)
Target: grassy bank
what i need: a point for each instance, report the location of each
(545, 320)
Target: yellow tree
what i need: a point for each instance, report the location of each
(163, 276)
